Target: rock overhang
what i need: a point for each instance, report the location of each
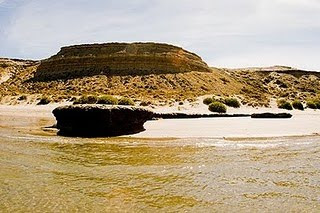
(100, 120)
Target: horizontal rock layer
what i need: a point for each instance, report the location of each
(118, 59)
(271, 115)
(100, 120)
(188, 116)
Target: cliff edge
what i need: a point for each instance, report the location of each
(118, 59)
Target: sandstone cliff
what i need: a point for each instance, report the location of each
(118, 59)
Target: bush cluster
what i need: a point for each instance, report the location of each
(219, 104)
(91, 99)
(283, 104)
(207, 101)
(297, 105)
(107, 99)
(232, 102)
(311, 105)
(217, 107)
(126, 101)
(104, 99)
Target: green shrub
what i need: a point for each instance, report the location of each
(207, 101)
(311, 105)
(297, 105)
(283, 104)
(232, 102)
(44, 101)
(107, 99)
(217, 107)
(86, 100)
(125, 101)
(317, 103)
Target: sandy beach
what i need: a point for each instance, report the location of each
(32, 119)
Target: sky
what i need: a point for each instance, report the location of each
(225, 33)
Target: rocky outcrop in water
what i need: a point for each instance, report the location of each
(118, 59)
(189, 116)
(100, 120)
(271, 115)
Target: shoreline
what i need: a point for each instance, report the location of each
(36, 120)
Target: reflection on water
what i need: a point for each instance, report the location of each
(127, 174)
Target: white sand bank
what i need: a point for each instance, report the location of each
(300, 124)
(31, 118)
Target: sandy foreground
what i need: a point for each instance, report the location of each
(31, 119)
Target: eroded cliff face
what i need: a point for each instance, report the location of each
(12, 67)
(118, 59)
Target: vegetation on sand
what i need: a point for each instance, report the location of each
(107, 99)
(297, 105)
(317, 102)
(217, 107)
(311, 105)
(283, 104)
(125, 101)
(207, 101)
(104, 99)
(91, 99)
(232, 102)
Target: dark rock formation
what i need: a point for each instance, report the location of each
(118, 59)
(100, 120)
(187, 116)
(271, 115)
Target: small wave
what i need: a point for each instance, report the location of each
(200, 142)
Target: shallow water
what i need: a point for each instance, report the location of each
(50, 173)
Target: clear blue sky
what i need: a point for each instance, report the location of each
(225, 33)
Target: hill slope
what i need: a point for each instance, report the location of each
(254, 86)
(278, 82)
(152, 87)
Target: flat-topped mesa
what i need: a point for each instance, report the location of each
(118, 59)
